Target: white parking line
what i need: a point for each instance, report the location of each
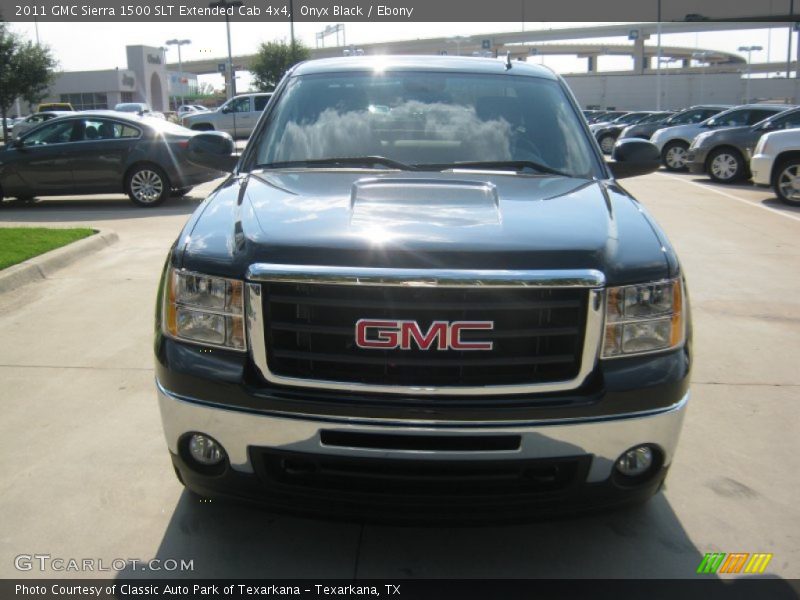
(727, 195)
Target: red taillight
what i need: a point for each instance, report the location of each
(183, 144)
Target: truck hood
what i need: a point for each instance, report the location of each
(466, 220)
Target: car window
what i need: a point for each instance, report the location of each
(260, 102)
(35, 119)
(709, 112)
(692, 116)
(239, 105)
(53, 133)
(757, 115)
(629, 118)
(732, 119)
(426, 118)
(790, 121)
(103, 129)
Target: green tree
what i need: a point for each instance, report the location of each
(26, 71)
(272, 60)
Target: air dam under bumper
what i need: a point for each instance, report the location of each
(566, 465)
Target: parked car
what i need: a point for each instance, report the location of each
(589, 113)
(673, 142)
(238, 116)
(422, 289)
(606, 116)
(776, 162)
(187, 109)
(607, 134)
(725, 154)
(57, 106)
(101, 153)
(695, 114)
(34, 120)
(627, 119)
(139, 108)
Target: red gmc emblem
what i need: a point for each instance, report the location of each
(446, 335)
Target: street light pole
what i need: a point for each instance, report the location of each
(658, 61)
(291, 27)
(749, 50)
(224, 5)
(179, 43)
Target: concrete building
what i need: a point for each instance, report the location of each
(145, 79)
(678, 90)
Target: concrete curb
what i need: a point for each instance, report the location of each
(42, 266)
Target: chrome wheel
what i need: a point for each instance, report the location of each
(724, 166)
(607, 144)
(675, 158)
(147, 186)
(788, 184)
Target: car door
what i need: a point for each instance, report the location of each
(100, 152)
(233, 107)
(244, 117)
(39, 163)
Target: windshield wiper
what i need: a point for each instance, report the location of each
(515, 165)
(351, 161)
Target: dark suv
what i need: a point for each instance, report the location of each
(422, 292)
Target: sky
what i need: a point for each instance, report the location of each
(90, 46)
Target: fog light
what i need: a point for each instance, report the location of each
(205, 450)
(636, 461)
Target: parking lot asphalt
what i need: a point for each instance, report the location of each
(86, 473)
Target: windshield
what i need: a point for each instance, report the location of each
(426, 120)
(130, 107)
(629, 118)
(653, 119)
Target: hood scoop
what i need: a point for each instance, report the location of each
(448, 203)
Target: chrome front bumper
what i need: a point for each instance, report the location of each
(605, 439)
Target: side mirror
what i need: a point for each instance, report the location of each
(213, 150)
(226, 109)
(632, 157)
(18, 143)
(768, 126)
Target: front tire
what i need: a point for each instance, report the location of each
(607, 143)
(725, 165)
(787, 182)
(147, 185)
(673, 157)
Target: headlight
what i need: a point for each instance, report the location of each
(761, 146)
(641, 319)
(700, 139)
(205, 310)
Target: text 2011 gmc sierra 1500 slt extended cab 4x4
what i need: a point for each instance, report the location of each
(422, 292)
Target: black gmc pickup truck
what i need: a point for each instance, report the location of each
(422, 292)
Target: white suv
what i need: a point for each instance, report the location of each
(238, 116)
(776, 162)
